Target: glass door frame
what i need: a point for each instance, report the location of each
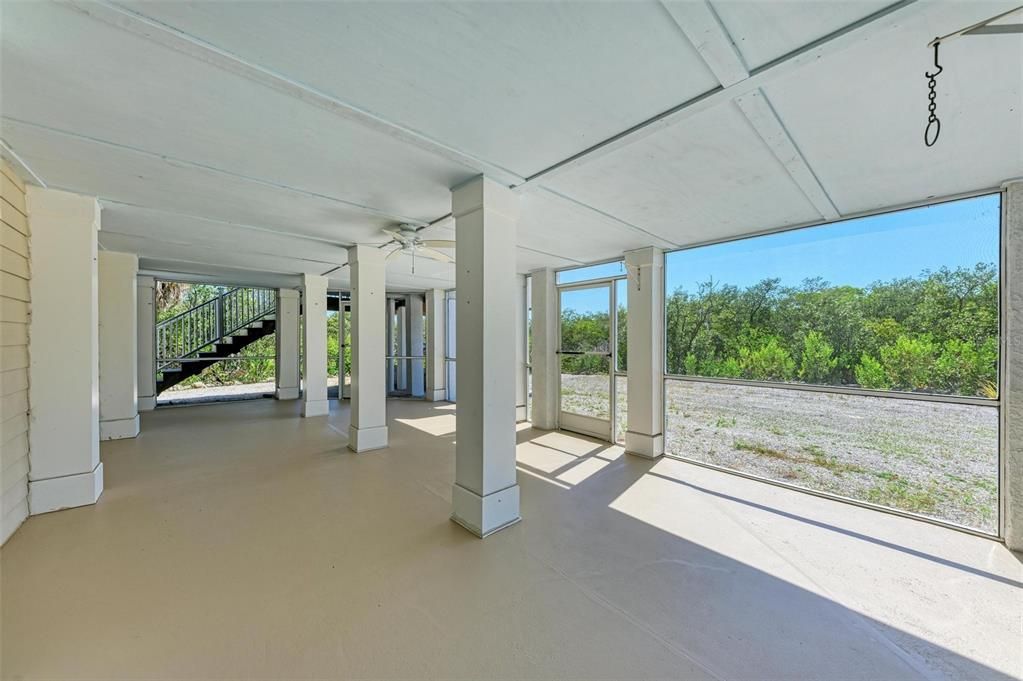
(577, 423)
(342, 326)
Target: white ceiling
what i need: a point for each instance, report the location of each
(255, 141)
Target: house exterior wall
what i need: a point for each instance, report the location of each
(15, 299)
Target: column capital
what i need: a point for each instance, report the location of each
(364, 253)
(648, 256)
(481, 191)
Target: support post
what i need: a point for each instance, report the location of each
(645, 326)
(402, 349)
(287, 341)
(485, 497)
(546, 369)
(145, 297)
(389, 325)
(368, 428)
(414, 343)
(520, 348)
(65, 469)
(314, 358)
(436, 371)
(118, 345)
(1012, 374)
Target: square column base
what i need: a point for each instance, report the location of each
(119, 429)
(147, 403)
(439, 395)
(367, 439)
(647, 446)
(315, 408)
(520, 413)
(484, 516)
(69, 491)
(286, 394)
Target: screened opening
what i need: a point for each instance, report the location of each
(858, 358)
(214, 342)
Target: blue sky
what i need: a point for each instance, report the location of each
(853, 252)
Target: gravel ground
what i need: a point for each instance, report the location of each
(935, 459)
(223, 393)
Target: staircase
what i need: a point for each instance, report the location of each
(209, 332)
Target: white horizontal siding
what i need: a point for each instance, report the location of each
(15, 308)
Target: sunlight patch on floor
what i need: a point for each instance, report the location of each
(542, 458)
(582, 470)
(432, 425)
(569, 444)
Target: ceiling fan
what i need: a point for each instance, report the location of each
(409, 242)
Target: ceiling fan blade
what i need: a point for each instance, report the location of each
(394, 234)
(435, 255)
(394, 253)
(438, 243)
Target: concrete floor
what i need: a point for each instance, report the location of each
(236, 540)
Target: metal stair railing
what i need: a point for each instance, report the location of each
(186, 334)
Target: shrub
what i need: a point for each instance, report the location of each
(870, 374)
(769, 362)
(965, 369)
(908, 362)
(818, 362)
(690, 365)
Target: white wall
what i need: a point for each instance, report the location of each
(15, 296)
(64, 367)
(118, 345)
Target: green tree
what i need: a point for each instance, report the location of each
(908, 362)
(871, 375)
(817, 362)
(769, 362)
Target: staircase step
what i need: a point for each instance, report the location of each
(240, 332)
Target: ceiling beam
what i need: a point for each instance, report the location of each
(183, 163)
(701, 25)
(711, 39)
(839, 40)
(766, 123)
(156, 31)
(217, 221)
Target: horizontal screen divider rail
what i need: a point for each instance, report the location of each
(836, 497)
(840, 390)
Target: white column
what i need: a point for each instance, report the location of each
(389, 343)
(145, 318)
(402, 349)
(64, 363)
(546, 369)
(118, 345)
(520, 348)
(645, 328)
(1012, 349)
(414, 343)
(287, 380)
(370, 306)
(435, 326)
(314, 343)
(485, 497)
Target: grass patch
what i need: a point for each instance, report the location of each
(817, 456)
(725, 422)
(896, 492)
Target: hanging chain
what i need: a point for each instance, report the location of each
(933, 128)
